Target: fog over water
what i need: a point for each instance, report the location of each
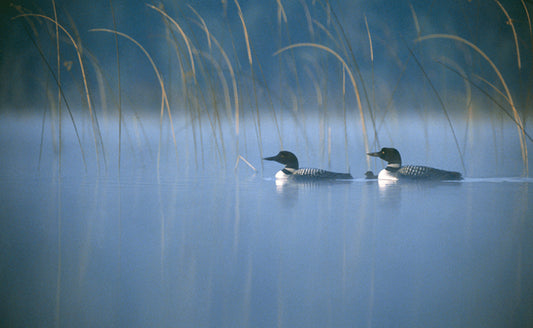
(199, 243)
(134, 194)
(489, 148)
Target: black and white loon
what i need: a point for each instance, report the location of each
(293, 171)
(395, 170)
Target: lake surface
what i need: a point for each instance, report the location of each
(121, 204)
(237, 250)
(189, 241)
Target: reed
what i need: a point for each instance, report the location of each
(58, 83)
(487, 94)
(69, 111)
(349, 53)
(250, 62)
(215, 121)
(96, 131)
(441, 102)
(182, 33)
(506, 92)
(187, 91)
(447, 62)
(271, 105)
(195, 95)
(57, 312)
(189, 50)
(515, 37)
(338, 45)
(373, 101)
(295, 93)
(211, 39)
(119, 86)
(164, 98)
(221, 81)
(350, 75)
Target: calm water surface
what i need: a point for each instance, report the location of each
(237, 250)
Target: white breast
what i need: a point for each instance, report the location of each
(282, 175)
(386, 175)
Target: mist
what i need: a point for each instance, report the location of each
(134, 191)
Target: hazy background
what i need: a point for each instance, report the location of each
(442, 92)
(122, 205)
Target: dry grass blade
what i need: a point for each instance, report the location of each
(350, 75)
(530, 28)
(240, 158)
(510, 22)
(164, 98)
(518, 120)
(58, 63)
(233, 78)
(374, 105)
(61, 91)
(245, 30)
(442, 105)
(78, 53)
(349, 52)
(447, 62)
(250, 61)
(119, 88)
(281, 12)
(183, 35)
(204, 25)
(415, 19)
(486, 93)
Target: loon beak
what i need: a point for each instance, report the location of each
(272, 158)
(376, 154)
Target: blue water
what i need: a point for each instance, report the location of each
(193, 242)
(238, 251)
(145, 222)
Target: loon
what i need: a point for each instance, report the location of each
(370, 175)
(292, 170)
(395, 170)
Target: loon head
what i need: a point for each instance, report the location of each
(370, 175)
(285, 157)
(389, 155)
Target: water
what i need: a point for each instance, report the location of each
(236, 250)
(204, 245)
(143, 222)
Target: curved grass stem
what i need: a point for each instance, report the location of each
(350, 75)
(164, 98)
(96, 131)
(509, 98)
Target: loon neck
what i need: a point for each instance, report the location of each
(393, 166)
(288, 170)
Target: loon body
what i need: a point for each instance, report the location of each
(395, 170)
(293, 171)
